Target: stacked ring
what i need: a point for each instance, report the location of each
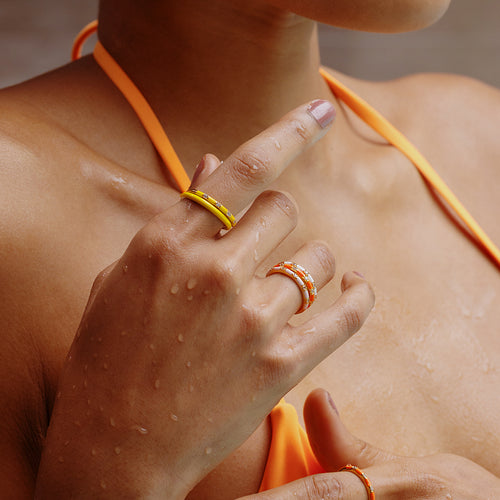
(302, 279)
(366, 482)
(212, 205)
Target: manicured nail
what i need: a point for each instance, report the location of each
(322, 111)
(359, 274)
(198, 171)
(332, 404)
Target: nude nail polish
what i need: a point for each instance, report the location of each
(322, 111)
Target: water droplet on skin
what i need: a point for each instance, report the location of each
(112, 422)
(174, 289)
(85, 383)
(118, 450)
(58, 395)
(86, 368)
(142, 430)
(206, 292)
(74, 387)
(254, 354)
(173, 417)
(93, 452)
(191, 283)
(190, 297)
(180, 338)
(310, 330)
(238, 290)
(66, 443)
(191, 388)
(88, 402)
(105, 366)
(123, 333)
(103, 485)
(301, 129)
(208, 451)
(125, 269)
(188, 364)
(157, 383)
(254, 168)
(254, 398)
(152, 347)
(210, 420)
(277, 144)
(255, 256)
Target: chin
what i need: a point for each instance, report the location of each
(383, 16)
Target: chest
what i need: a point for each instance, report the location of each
(428, 360)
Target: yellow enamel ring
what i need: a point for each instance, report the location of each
(301, 278)
(366, 482)
(212, 205)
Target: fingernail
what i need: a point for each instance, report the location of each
(198, 171)
(322, 111)
(332, 404)
(359, 274)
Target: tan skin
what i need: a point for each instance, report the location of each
(71, 209)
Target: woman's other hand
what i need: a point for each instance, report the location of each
(183, 348)
(442, 476)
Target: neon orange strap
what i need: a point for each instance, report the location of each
(397, 139)
(356, 103)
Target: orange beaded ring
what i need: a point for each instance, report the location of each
(366, 482)
(301, 277)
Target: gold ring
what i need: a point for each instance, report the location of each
(212, 205)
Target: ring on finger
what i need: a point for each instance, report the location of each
(212, 205)
(366, 482)
(301, 278)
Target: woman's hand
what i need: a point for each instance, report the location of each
(442, 476)
(183, 349)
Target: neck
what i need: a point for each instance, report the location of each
(220, 71)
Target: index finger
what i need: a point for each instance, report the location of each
(257, 163)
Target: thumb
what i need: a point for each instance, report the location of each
(208, 164)
(333, 445)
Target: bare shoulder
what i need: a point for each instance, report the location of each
(453, 121)
(25, 181)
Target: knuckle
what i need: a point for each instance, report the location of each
(252, 167)
(280, 202)
(276, 370)
(351, 318)
(222, 276)
(323, 486)
(158, 244)
(324, 258)
(301, 132)
(255, 320)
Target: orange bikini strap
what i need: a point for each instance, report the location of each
(145, 114)
(141, 107)
(372, 117)
(396, 138)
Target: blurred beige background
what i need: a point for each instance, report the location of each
(36, 35)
